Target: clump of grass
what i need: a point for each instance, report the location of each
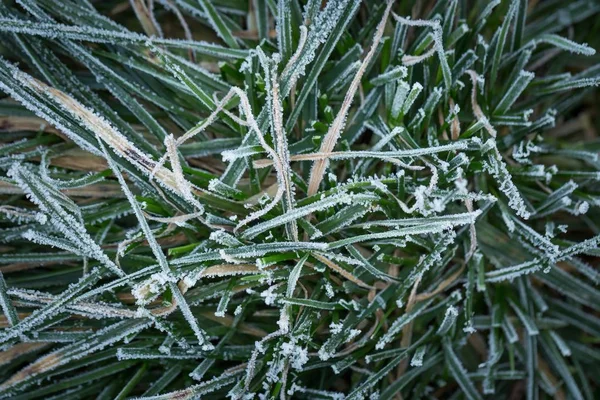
(299, 199)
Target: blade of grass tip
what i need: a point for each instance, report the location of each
(499, 48)
(64, 216)
(216, 21)
(199, 390)
(484, 13)
(294, 275)
(158, 253)
(519, 30)
(299, 212)
(449, 19)
(334, 132)
(566, 44)
(514, 91)
(368, 266)
(11, 82)
(389, 156)
(294, 58)
(569, 84)
(182, 76)
(7, 306)
(279, 166)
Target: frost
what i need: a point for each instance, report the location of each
(224, 238)
(64, 216)
(399, 323)
(449, 320)
(400, 72)
(335, 328)
(581, 208)
(313, 393)
(566, 44)
(412, 96)
(561, 344)
(497, 168)
(157, 251)
(399, 98)
(438, 44)
(514, 91)
(341, 198)
(353, 334)
(329, 290)
(318, 32)
(269, 295)
(334, 131)
(148, 290)
(297, 355)
(469, 328)
(344, 259)
(417, 359)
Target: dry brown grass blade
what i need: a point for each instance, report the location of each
(407, 331)
(227, 321)
(20, 349)
(341, 270)
(100, 190)
(146, 18)
(253, 34)
(475, 105)
(455, 126)
(335, 130)
(229, 270)
(118, 143)
(79, 160)
(441, 287)
(4, 321)
(409, 60)
(35, 124)
(43, 364)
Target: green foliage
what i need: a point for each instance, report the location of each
(299, 199)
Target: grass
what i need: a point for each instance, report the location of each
(299, 199)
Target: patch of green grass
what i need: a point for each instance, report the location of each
(299, 199)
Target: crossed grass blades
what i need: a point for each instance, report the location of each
(299, 199)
